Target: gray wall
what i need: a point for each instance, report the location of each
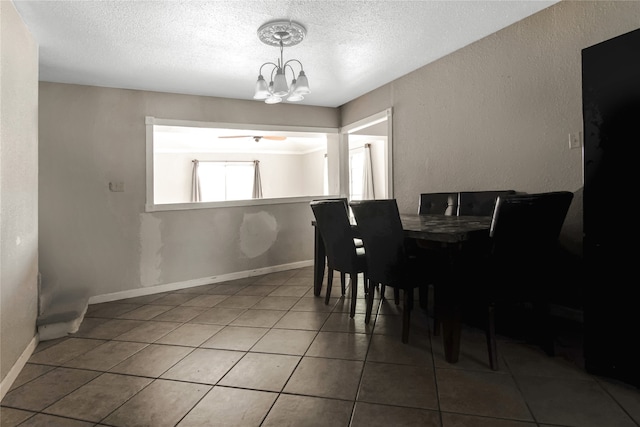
(18, 191)
(497, 114)
(101, 242)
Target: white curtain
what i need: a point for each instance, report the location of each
(196, 194)
(367, 175)
(257, 182)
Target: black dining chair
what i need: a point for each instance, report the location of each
(343, 254)
(519, 269)
(356, 239)
(479, 203)
(388, 262)
(438, 203)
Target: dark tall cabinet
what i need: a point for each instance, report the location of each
(611, 115)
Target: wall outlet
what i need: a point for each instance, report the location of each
(116, 186)
(575, 140)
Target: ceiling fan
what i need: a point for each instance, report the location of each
(257, 138)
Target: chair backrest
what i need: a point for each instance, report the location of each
(438, 203)
(332, 220)
(526, 227)
(479, 203)
(381, 231)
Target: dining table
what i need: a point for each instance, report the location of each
(455, 236)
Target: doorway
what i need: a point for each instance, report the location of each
(366, 148)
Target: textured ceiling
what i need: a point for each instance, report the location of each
(211, 48)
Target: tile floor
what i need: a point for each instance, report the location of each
(264, 351)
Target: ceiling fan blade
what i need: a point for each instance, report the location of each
(275, 138)
(236, 136)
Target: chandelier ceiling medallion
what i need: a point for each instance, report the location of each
(281, 34)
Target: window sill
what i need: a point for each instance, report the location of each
(231, 203)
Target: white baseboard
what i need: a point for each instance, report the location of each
(132, 293)
(7, 381)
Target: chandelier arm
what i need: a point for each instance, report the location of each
(267, 63)
(284, 69)
(294, 60)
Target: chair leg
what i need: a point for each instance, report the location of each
(329, 284)
(436, 321)
(368, 283)
(491, 338)
(396, 295)
(343, 282)
(354, 293)
(406, 315)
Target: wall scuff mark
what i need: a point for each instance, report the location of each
(258, 232)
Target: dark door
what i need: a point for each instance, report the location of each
(611, 115)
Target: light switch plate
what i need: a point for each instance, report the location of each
(575, 140)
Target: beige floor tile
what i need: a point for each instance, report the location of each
(152, 361)
(400, 385)
(315, 304)
(44, 420)
(190, 334)
(522, 359)
(276, 303)
(230, 407)
(308, 320)
(308, 411)
(339, 345)
(98, 398)
(163, 403)
(268, 372)
(106, 356)
(391, 349)
(205, 301)
(481, 393)
(259, 290)
(370, 415)
(204, 366)
(218, 316)
(625, 394)
(240, 301)
(29, 372)
(180, 314)
(10, 417)
(106, 330)
(259, 318)
(285, 341)
(289, 291)
(146, 312)
(48, 388)
(331, 378)
(65, 351)
(572, 402)
(111, 309)
(459, 420)
(342, 322)
(148, 332)
(235, 338)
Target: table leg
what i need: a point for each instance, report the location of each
(319, 258)
(451, 317)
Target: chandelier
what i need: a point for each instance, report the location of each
(281, 34)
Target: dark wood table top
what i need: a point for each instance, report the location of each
(445, 229)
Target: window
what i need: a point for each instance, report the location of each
(356, 169)
(292, 163)
(225, 180)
